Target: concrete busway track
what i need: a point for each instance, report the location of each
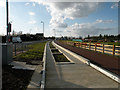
(87, 61)
(110, 63)
(78, 75)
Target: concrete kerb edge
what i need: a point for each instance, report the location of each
(84, 60)
(44, 69)
(71, 62)
(106, 72)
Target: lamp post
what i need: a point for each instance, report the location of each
(43, 28)
(54, 33)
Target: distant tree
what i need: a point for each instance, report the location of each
(100, 36)
(19, 33)
(88, 37)
(80, 37)
(118, 37)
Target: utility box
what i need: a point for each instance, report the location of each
(7, 53)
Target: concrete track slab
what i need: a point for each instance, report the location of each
(78, 75)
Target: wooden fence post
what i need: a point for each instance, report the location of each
(85, 46)
(103, 48)
(89, 45)
(95, 46)
(113, 50)
(73, 44)
(81, 45)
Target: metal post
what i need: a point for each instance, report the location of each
(54, 33)
(7, 17)
(43, 28)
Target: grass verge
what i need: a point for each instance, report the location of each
(35, 53)
(60, 58)
(55, 51)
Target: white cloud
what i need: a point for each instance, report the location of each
(60, 11)
(2, 3)
(27, 4)
(2, 30)
(58, 25)
(33, 4)
(31, 13)
(103, 21)
(85, 29)
(32, 22)
(114, 5)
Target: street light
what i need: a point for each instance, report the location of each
(43, 28)
(54, 32)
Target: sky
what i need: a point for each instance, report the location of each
(61, 18)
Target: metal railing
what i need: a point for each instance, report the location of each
(19, 48)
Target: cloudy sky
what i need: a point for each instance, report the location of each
(61, 18)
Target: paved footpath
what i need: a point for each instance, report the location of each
(78, 75)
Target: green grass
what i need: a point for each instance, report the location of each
(55, 51)
(35, 52)
(60, 58)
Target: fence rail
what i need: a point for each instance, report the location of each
(19, 48)
(98, 47)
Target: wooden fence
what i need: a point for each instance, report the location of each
(98, 47)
